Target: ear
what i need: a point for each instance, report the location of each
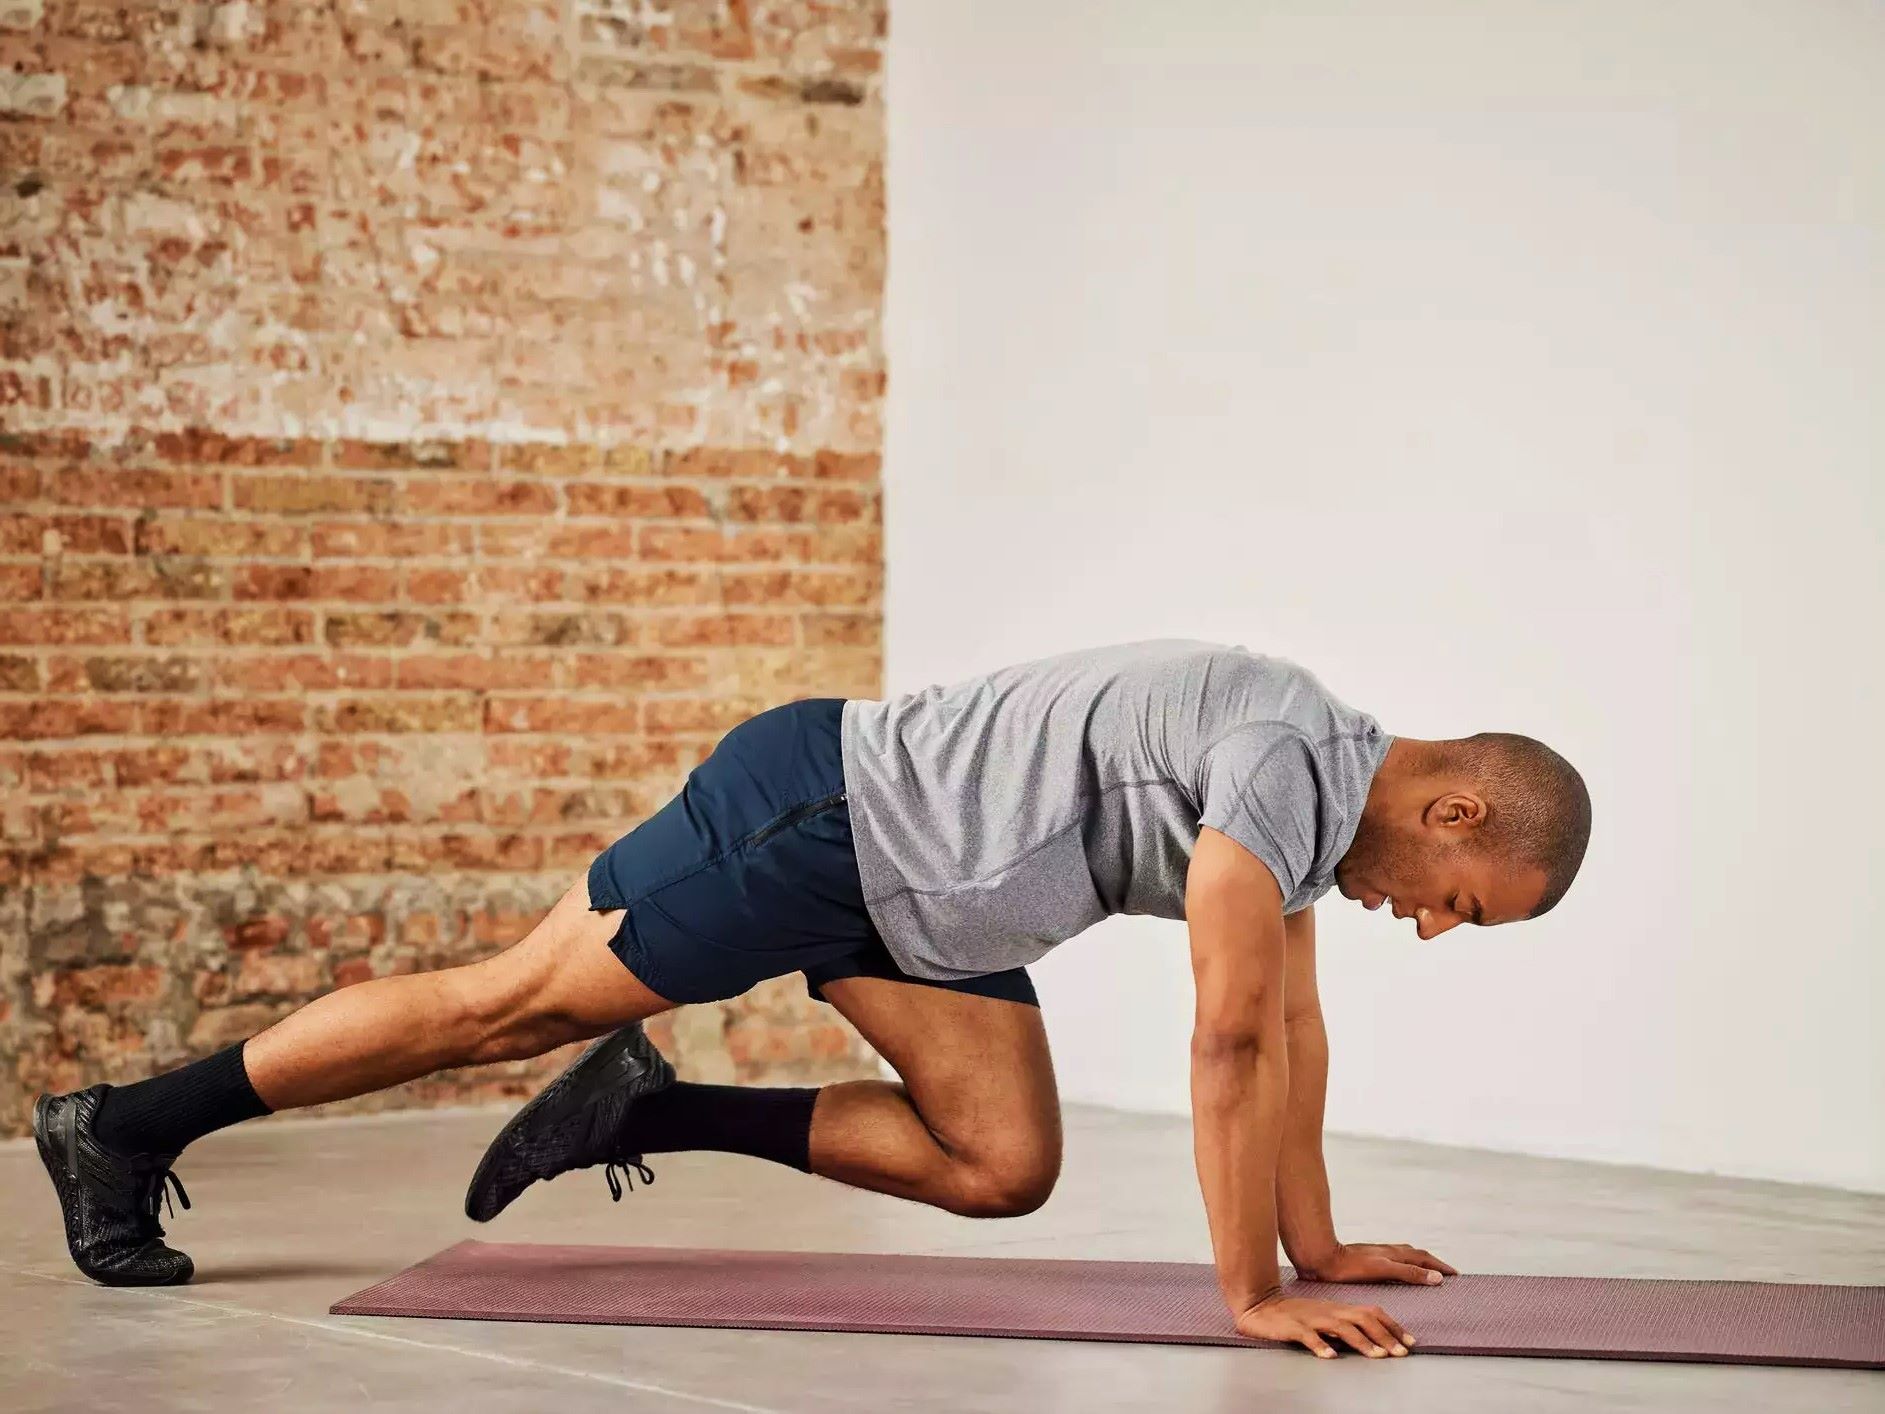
(1456, 811)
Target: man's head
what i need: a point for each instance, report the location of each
(1484, 829)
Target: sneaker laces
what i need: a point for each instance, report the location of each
(157, 1183)
(627, 1164)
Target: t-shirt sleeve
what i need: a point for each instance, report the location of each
(1261, 790)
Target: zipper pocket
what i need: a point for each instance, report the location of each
(794, 815)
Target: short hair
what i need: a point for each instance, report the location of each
(1537, 803)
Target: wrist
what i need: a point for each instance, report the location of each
(1260, 1296)
(1309, 1259)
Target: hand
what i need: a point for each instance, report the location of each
(1377, 1261)
(1369, 1329)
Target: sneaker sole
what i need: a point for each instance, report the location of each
(616, 1059)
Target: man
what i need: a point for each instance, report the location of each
(910, 856)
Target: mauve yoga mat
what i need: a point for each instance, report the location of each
(1734, 1322)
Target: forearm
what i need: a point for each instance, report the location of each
(1238, 1101)
(1304, 1219)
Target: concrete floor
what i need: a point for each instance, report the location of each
(292, 1214)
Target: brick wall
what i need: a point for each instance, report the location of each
(424, 429)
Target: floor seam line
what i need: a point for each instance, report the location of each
(335, 1328)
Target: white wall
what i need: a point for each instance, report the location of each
(1514, 366)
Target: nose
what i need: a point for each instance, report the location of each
(1429, 926)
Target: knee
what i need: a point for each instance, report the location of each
(1005, 1186)
(501, 1011)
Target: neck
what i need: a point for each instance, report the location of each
(1408, 763)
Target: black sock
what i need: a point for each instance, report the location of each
(162, 1114)
(767, 1122)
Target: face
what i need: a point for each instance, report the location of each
(1432, 869)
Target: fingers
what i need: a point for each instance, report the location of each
(1360, 1339)
(1313, 1340)
(1384, 1328)
(1368, 1329)
(1409, 1272)
(1395, 1328)
(1421, 1257)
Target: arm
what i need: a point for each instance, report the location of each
(1302, 1179)
(1239, 1064)
(1239, 1101)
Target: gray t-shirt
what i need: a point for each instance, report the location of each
(997, 816)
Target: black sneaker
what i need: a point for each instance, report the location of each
(109, 1199)
(572, 1123)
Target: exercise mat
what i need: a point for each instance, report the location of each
(1603, 1318)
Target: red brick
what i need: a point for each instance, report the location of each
(398, 712)
(312, 495)
(119, 579)
(711, 715)
(271, 582)
(152, 765)
(21, 674)
(638, 500)
(253, 760)
(398, 628)
(224, 1026)
(821, 588)
(501, 927)
(265, 931)
(231, 718)
(554, 540)
(29, 534)
(497, 584)
(20, 582)
(723, 630)
(468, 496)
(580, 459)
(262, 626)
(228, 539)
(650, 588)
(438, 586)
(54, 717)
(716, 462)
(18, 483)
(64, 770)
(844, 466)
(125, 673)
(219, 811)
(112, 985)
(135, 489)
(841, 630)
(591, 628)
(681, 542)
(354, 584)
(475, 671)
(200, 447)
(528, 759)
(261, 974)
(560, 714)
(390, 539)
(302, 672)
(465, 851)
(651, 672)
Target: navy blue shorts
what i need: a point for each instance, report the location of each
(749, 872)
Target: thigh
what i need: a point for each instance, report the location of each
(565, 968)
(977, 1068)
